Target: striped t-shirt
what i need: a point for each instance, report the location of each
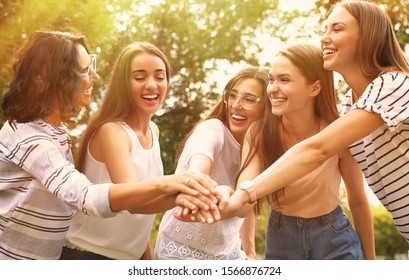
(384, 154)
(40, 189)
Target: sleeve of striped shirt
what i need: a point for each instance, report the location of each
(388, 96)
(38, 155)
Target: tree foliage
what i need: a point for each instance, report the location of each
(388, 241)
(197, 35)
(194, 34)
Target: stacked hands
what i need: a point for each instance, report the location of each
(201, 199)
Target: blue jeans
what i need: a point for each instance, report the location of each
(328, 237)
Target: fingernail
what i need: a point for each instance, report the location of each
(210, 220)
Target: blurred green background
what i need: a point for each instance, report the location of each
(206, 42)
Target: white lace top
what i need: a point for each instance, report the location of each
(221, 240)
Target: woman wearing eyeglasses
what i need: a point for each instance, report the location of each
(40, 189)
(213, 147)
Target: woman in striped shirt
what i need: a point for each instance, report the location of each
(40, 189)
(360, 44)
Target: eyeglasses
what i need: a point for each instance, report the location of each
(247, 101)
(91, 68)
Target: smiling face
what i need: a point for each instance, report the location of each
(288, 89)
(148, 82)
(238, 117)
(340, 42)
(83, 95)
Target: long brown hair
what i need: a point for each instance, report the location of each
(46, 71)
(118, 102)
(219, 111)
(265, 137)
(376, 34)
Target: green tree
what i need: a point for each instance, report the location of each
(20, 18)
(197, 35)
(388, 241)
(194, 34)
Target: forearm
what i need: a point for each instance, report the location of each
(363, 223)
(247, 236)
(308, 154)
(237, 206)
(294, 164)
(130, 195)
(156, 205)
(297, 162)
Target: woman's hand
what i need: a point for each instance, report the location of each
(196, 208)
(190, 183)
(234, 206)
(223, 194)
(188, 212)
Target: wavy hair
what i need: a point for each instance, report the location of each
(45, 72)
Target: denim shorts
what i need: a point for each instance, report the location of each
(328, 237)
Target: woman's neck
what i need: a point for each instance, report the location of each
(357, 82)
(138, 123)
(295, 130)
(142, 130)
(54, 118)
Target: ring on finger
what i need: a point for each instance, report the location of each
(188, 181)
